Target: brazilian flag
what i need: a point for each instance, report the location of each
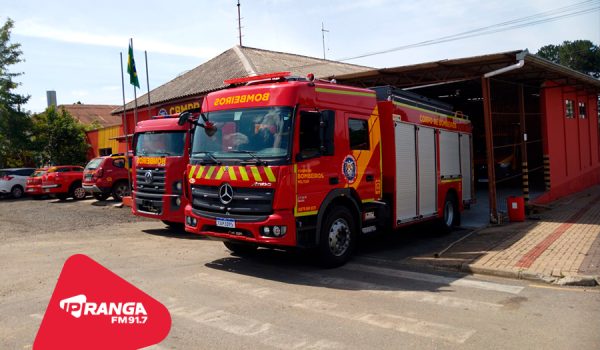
(133, 78)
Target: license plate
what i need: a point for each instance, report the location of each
(224, 222)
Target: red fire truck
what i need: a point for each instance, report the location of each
(289, 162)
(161, 155)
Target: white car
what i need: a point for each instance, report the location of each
(13, 181)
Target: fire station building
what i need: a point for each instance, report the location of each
(535, 123)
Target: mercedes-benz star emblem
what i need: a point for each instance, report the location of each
(148, 177)
(226, 193)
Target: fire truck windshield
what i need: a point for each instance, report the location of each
(160, 143)
(247, 134)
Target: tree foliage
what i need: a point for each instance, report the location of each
(580, 55)
(58, 138)
(14, 124)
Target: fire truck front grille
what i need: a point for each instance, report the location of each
(150, 180)
(245, 201)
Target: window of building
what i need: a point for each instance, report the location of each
(359, 134)
(569, 113)
(582, 110)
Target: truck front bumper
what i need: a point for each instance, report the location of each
(227, 227)
(168, 207)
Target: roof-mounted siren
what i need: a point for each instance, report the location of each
(277, 76)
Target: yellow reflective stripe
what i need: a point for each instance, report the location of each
(231, 174)
(270, 174)
(220, 173)
(306, 213)
(345, 92)
(192, 171)
(255, 173)
(451, 180)
(199, 175)
(210, 171)
(368, 200)
(243, 173)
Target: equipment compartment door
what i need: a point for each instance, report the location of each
(427, 172)
(465, 166)
(406, 173)
(449, 155)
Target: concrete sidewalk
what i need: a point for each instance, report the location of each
(559, 245)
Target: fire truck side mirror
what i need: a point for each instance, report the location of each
(183, 118)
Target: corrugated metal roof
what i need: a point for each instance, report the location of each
(87, 114)
(536, 70)
(240, 61)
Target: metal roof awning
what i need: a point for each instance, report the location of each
(121, 138)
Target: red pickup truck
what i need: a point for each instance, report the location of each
(63, 182)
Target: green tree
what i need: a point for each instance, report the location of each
(59, 138)
(15, 125)
(580, 55)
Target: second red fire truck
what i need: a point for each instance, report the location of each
(161, 155)
(290, 162)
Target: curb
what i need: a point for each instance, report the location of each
(582, 281)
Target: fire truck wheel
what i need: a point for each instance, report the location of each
(451, 213)
(17, 192)
(178, 226)
(101, 196)
(338, 237)
(241, 248)
(120, 190)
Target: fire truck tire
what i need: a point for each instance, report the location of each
(338, 237)
(17, 192)
(120, 190)
(451, 216)
(77, 192)
(241, 248)
(101, 196)
(179, 226)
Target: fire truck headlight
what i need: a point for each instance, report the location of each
(190, 221)
(273, 231)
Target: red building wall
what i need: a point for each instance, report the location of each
(570, 143)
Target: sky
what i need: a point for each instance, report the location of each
(72, 47)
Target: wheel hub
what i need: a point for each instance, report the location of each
(339, 237)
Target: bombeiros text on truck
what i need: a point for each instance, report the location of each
(289, 162)
(161, 155)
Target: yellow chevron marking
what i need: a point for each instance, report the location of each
(231, 173)
(192, 171)
(243, 173)
(220, 173)
(255, 173)
(210, 171)
(270, 175)
(199, 175)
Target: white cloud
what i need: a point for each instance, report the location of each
(33, 28)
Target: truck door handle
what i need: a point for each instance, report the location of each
(370, 178)
(334, 180)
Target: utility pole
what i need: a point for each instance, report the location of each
(239, 23)
(323, 30)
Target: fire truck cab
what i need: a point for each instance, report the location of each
(161, 155)
(292, 162)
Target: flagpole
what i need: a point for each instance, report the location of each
(124, 118)
(135, 116)
(147, 82)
